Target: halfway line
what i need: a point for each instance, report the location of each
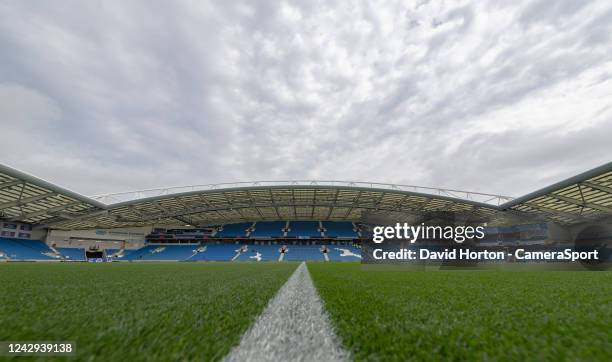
(293, 327)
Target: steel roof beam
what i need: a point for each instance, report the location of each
(598, 187)
(581, 178)
(26, 200)
(48, 211)
(181, 202)
(11, 183)
(550, 211)
(25, 178)
(274, 203)
(144, 217)
(75, 217)
(197, 210)
(590, 205)
(252, 202)
(185, 221)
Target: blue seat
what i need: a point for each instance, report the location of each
(303, 229)
(339, 229)
(190, 252)
(234, 230)
(22, 249)
(169, 252)
(72, 253)
(137, 254)
(109, 252)
(260, 253)
(268, 229)
(217, 252)
(303, 252)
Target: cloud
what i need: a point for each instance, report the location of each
(484, 96)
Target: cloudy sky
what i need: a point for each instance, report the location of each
(501, 96)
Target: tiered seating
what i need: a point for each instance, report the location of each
(72, 253)
(343, 253)
(217, 252)
(127, 253)
(21, 249)
(303, 229)
(110, 252)
(267, 229)
(340, 229)
(304, 252)
(162, 252)
(227, 252)
(261, 232)
(139, 253)
(233, 230)
(169, 252)
(260, 253)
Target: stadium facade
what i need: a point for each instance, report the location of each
(286, 220)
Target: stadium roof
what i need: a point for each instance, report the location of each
(29, 199)
(584, 198)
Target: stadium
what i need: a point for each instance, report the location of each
(300, 220)
(248, 242)
(272, 181)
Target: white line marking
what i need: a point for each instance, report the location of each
(293, 327)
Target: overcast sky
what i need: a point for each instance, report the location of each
(501, 96)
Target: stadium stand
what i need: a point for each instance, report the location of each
(343, 253)
(268, 229)
(337, 215)
(167, 252)
(114, 253)
(233, 230)
(72, 253)
(160, 235)
(302, 229)
(192, 248)
(340, 229)
(139, 253)
(260, 253)
(20, 249)
(217, 252)
(304, 252)
(197, 250)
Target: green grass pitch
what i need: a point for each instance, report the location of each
(468, 315)
(137, 311)
(172, 311)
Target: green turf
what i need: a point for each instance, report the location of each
(468, 315)
(137, 311)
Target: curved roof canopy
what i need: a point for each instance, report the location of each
(32, 200)
(583, 198)
(586, 197)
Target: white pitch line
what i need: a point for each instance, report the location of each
(293, 327)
